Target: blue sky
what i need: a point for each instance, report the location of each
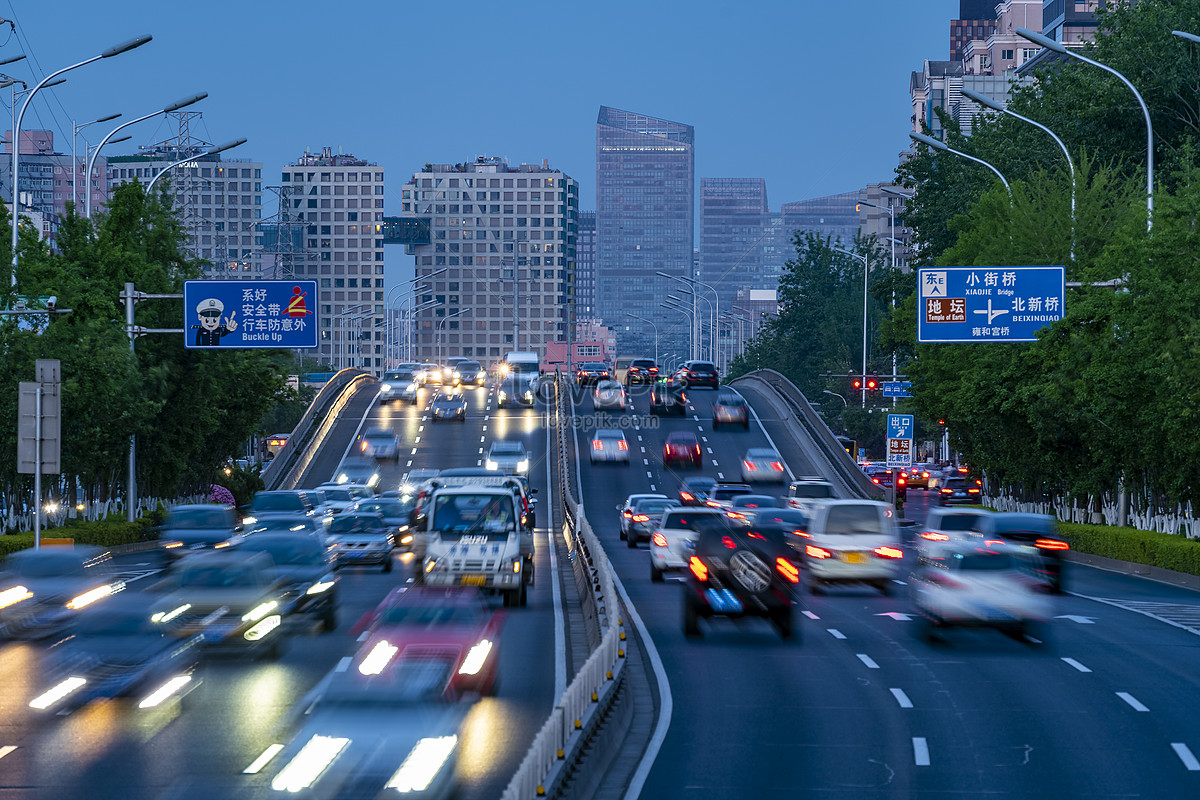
(812, 96)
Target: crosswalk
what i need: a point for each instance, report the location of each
(1180, 615)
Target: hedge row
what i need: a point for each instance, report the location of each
(102, 533)
(1166, 550)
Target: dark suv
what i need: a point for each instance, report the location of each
(737, 572)
(667, 397)
(700, 373)
(641, 370)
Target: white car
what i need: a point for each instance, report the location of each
(762, 465)
(627, 509)
(398, 384)
(674, 539)
(946, 523)
(609, 396)
(508, 457)
(340, 496)
(609, 444)
(977, 585)
(852, 541)
(807, 490)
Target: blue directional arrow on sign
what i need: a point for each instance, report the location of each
(988, 304)
(899, 426)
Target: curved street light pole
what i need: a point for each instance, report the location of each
(866, 274)
(442, 322)
(838, 396)
(75, 129)
(936, 145)
(221, 148)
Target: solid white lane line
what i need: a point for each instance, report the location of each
(1134, 703)
(343, 664)
(8, 748)
(835, 633)
(1076, 665)
(920, 751)
(901, 698)
(264, 759)
(866, 659)
(1185, 755)
(811, 615)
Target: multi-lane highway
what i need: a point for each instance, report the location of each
(199, 748)
(859, 708)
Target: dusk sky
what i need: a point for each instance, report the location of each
(812, 96)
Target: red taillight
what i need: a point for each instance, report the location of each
(889, 552)
(778, 467)
(962, 470)
(902, 481)
(812, 551)
(799, 532)
(972, 491)
(875, 480)
(698, 569)
(787, 569)
(659, 540)
(712, 504)
(945, 490)
(734, 515)
(935, 537)
(990, 542)
(654, 370)
(641, 518)
(622, 445)
(729, 543)
(627, 513)
(691, 374)
(686, 496)
(597, 444)
(697, 449)
(1052, 544)
(749, 465)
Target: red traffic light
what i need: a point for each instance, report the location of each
(872, 384)
(941, 422)
(857, 384)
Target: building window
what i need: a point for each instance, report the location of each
(1006, 55)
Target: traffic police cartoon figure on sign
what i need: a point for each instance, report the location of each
(210, 330)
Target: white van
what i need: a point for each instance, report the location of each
(851, 541)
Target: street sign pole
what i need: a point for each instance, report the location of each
(39, 428)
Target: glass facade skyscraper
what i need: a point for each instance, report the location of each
(645, 217)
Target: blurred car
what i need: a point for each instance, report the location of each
(190, 528)
(964, 584)
(304, 565)
(644, 519)
(362, 471)
(396, 513)
(803, 492)
(609, 396)
(682, 447)
(399, 384)
(699, 373)
(744, 507)
(958, 490)
(429, 373)
(508, 457)
(302, 526)
(730, 409)
(42, 589)
(455, 622)
(379, 444)
(672, 541)
(280, 503)
(1038, 533)
(362, 539)
(722, 494)
(694, 490)
(234, 599)
(116, 649)
(762, 465)
(793, 521)
(626, 518)
(609, 444)
(340, 496)
(736, 572)
(639, 370)
(448, 406)
(919, 475)
(591, 372)
(413, 479)
(515, 390)
(469, 374)
(945, 523)
(852, 542)
(889, 478)
(668, 397)
(386, 725)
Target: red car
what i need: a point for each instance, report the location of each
(682, 447)
(452, 622)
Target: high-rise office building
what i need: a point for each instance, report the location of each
(339, 201)
(474, 227)
(645, 217)
(976, 20)
(47, 180)
(731, 230)
(585, 267)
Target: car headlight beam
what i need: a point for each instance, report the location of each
(422, 765)
(476, 657)
(312, 760)
(14, 595)
(58, 692)
(260, 611)
(378, 658)
(87, 598)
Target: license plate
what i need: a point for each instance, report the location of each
(473, 580)
(854, 558)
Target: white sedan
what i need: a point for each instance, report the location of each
(609, 396)
(762, 465)
(609, 444)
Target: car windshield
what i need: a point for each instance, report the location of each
(407, 680)
(196, 518)
(357, 492)
(730, 400)
(852, 519)
(653, 507)
(609, 434)
(276, 502)
(760, 453)
(681, 438)
(447, 399)
(702, 365)
(469, 366)
(379, 437)
(1026, 525)
(47, 565)
(982, 561)
(960, 522)
(354, 524)
(482, 514)
(692, 522)
(955, 483)
(699, 484)
(728, 492)
(337, 495)
(813, 490)
(292, 551)
(110, 622)
(224, 576)
(391, 509)
(398, 375)
(412, 614)
(507, 449)
(643, 363)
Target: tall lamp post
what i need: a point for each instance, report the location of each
(442, 322)
(937, 145)
(410, 323)
(413, 289)
(651, 323)
(212, 151)
(866, 274)
(187, 101)
(1061, 49)
(686, 314)
(75, 129)
(116, 50)
(709, 286)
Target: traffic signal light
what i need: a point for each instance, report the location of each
(856, 384)
(872, 383)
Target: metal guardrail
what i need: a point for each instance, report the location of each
(281, 467)
(577, 711)
(837, 457)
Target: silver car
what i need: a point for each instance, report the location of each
(609, 444)
(399, 384)
(509, 457)
(609, 396)
(449, 407)
(763, 465)
(380, 444)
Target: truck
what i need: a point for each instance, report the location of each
(520, 379)
(474, 537)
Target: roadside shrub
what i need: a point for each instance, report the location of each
(1165, 550)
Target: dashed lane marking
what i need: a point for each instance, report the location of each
(901, 698)
(1185, 755)
(343, 664)
(1179, 615)
(1076, 665)
(920, 751)
(811, 615)
(414, 452)
(8, 748)
(866, 659)
(835, 633)
(715, 464)
(1134, 703)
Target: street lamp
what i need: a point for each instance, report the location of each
(391, 325)
(1061, 49)
(643, 319)
(187, 101)
(710, 287)
(116, 50)
(866, 273)
(937, 145)
(838, 396)
(221, 148)
(411, 323)
(707, 302)
(75, 129)
(988, 102)
(441, 322)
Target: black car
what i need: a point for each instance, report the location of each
(694, 491)
(737, 572)
(469, 373)
(592, 372)
(641, 370)
(305, 567)
(722, 494)
(793, 521)
(700, 373)
(189, 528)
(957, 490)
(667, 397)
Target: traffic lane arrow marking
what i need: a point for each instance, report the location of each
(896, 615)
(1080, 620)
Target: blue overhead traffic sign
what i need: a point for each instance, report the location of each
(896, 388)
(244, 314)
(988, 304)
(899, 426)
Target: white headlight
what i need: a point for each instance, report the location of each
(492, 464)
(522, 465)
(423, 764)
(387, 387)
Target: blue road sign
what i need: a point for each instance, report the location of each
(242, 314)
(988, 304)
(899, 426)
(896, 388)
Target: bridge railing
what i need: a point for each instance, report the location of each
(577, 710)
